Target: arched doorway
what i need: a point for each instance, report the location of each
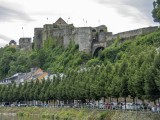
(97, 50)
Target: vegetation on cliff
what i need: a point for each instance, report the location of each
(131, 68)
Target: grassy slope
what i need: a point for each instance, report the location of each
(79, 114)
(132, 48)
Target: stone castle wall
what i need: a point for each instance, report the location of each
(132, 33)
(38, 32)
(84, 38)
(61, 33)
(88, 38)
(25, 44)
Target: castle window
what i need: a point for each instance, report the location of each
(93, 30)
(101, 30)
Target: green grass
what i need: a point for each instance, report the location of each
(77, 114)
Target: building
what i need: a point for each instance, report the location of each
(39, 74)
(34, 74)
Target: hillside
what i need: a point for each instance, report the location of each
(125, 68)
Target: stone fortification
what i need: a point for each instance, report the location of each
(85, 37)
(59, 30)
(38, 37)
(25, 44)
(89, 39)
(132, 33)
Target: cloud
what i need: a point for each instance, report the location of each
(5, 38)
(2, 44)
(138, 10)
(12, 12)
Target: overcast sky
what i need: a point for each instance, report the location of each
(117, 15)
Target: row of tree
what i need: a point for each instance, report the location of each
(93, 83)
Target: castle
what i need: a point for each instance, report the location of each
(25, 43)
(89, 39)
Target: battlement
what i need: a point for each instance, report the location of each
(132, 33)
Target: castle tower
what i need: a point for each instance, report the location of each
(38, 34)
(25, 44)
(59, 31)
(12, 43)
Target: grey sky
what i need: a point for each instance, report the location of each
(137, 9)
(4, 40)
(5, 37)
(11, 11)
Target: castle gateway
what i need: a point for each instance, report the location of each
(89, 39)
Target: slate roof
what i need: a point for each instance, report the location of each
(22, 77)
(12, 42)
(60, 21)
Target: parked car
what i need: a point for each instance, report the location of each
(131, 106)
(146, 106)
(108, 106)
(136, 106)
(1, 105)
(90, 105)
(22, 105)
(113, 106)
(158, 109)
(101, 106)
(127, 106)
(13, 105)
(6, 104)
(154, 109)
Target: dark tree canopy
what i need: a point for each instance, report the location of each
(156, 11)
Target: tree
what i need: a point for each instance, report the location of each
(123, 76)
(131, 86)
(5, 63)
(150, 87)
(115, 88)
(156, 11)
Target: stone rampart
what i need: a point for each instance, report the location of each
(132, 33)
(38, 38)
(84, 37)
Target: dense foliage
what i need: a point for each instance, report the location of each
(52, 58)
(131, 68)
(156, 11)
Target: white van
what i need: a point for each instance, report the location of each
(129, 106)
